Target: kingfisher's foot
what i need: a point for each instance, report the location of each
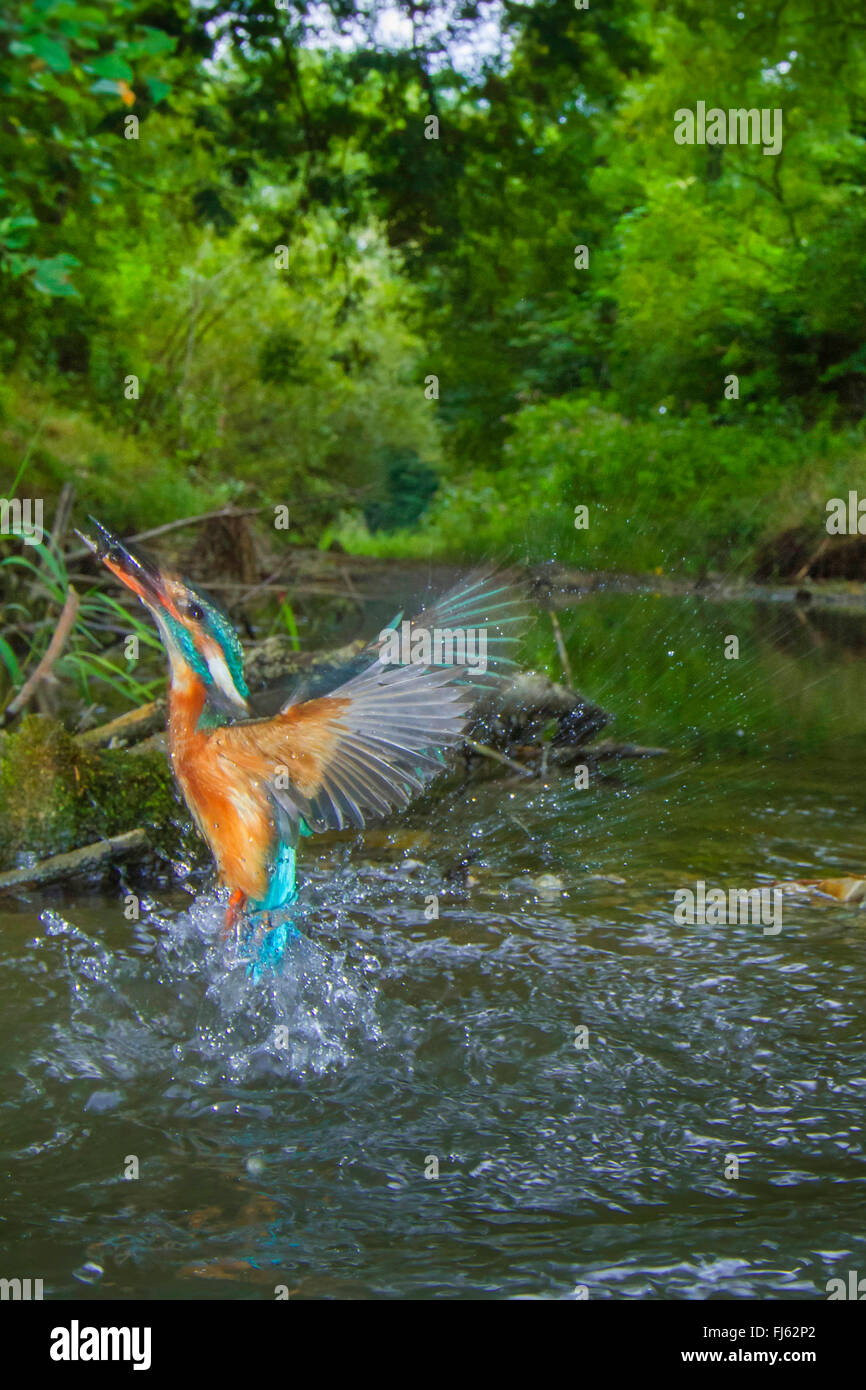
(234, 911)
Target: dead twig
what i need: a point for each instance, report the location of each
(491, 753)
(83, 552)
(62, 514)
(55, 647)
(816, 555)
(268, 583)
(563, 654)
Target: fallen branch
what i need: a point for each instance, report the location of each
(135, 724)
(77, 861)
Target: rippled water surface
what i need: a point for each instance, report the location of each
(288, 1133)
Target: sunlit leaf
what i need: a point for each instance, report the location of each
(52, 275)
(108, 65)
(52, 53)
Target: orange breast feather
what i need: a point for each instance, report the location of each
(224, 773)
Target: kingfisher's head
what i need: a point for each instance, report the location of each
(196, 633)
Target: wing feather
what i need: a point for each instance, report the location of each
(377, 738)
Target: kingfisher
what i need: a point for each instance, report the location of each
(370, 737)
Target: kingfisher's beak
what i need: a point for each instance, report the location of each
(131, 567)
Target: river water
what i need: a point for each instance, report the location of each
(411, 1108)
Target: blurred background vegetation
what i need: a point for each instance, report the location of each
(305, 126)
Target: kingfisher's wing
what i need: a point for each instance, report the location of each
(494, 601)
(492, 598)
(374, 741)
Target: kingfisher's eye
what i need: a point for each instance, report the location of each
(194, 611)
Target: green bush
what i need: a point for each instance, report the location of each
(662, 493)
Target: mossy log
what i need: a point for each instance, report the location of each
(58, 793)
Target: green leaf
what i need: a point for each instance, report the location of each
(154, 43)
(157, 89)
(54, 564)
(10, 661)
(109, 65)
(52, 275)
(158, 42)
(19, 265)
(18, 560)
(291, 626)
(13, 231)
(52, 53)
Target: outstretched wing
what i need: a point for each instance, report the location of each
(490, 601)
(489, 598)
(375, 741)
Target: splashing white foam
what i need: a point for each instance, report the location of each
(184, 1003)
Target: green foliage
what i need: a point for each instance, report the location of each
(120, 477)
(63, 68)
(672, 493)
(159, 357)
(287, 618)
(32, 608)
(408, 485)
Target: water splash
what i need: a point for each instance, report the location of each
(179, 1000)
